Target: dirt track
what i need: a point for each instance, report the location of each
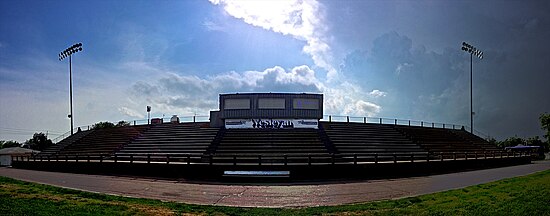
(272, 195)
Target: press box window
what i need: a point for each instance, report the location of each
(237, 104)
(305, 103)
(271, 103)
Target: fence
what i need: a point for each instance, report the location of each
(284, 159)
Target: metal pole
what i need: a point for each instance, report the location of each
(471, 97)
(71, 90)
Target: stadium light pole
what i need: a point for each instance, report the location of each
(64, 54)
(478, 53)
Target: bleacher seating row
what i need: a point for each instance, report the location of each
(332, 138)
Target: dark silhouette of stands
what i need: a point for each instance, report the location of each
(170, 139)
(270, 142)
(445, 140)
(368, 138)
(103, 141)
(332, 142)
(55, 149)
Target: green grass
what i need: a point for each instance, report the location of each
(527, 195)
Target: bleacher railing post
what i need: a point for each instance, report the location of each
(409, 122)
(432, 125)
(395, 123)
(453, 127)
(329, 118)
(194, 117)
(364, 119)
(347, 119)
(443, 125)
(421, 124)
(380, 120)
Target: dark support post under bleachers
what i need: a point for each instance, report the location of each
(476, 155)
(148, 158)
(309, 159)
(66, 158)
(412, 157)
(355, 159)
(88, 158)
(131, 158)
(116, 159)
(100, 158)
(285, 159)
(428, 157)
(332, 158)
(465, 156)
(48, 158)
(394, 158)
(234, 159)
(188, 159)
(77, 158)
(260, 160)
(375, 158)
(211, 159)
(167, 159)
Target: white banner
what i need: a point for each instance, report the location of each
(271, 123)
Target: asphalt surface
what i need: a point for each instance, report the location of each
(268, 195)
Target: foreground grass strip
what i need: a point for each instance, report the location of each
(528, 195)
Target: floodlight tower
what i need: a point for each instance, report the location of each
(478, 53)
(64, 54)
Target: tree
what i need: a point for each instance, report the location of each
(535, 141)
(39, 142)
(9, 143)
(101, 125)
(545, 124)
(122, 124)
(511, 141)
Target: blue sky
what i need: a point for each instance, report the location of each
(394, 59)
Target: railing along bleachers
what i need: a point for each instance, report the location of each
(176, 140)
(103, 141)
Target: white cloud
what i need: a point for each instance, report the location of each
(302, 19)
(362, 108)
(377, 93)
(130, 112)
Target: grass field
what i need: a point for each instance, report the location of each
(528, 195)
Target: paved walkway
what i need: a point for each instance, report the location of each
(269, 195)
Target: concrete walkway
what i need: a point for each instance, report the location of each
(272, 196)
